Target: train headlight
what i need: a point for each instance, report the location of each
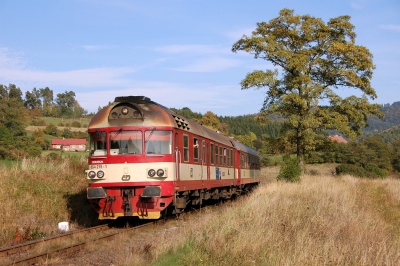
(91, 174)
(151, 172)
(100, 174)
(160, 172)
(125, 110)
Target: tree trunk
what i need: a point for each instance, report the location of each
(300, 148)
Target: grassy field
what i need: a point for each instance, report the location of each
(323, 220)
(56, 121)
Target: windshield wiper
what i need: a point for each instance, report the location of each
(151, 133)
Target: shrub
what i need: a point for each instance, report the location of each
(376, 171)
(372, 171)
(38, 122)
(290, 170)
(75, 124)
(313, 158)
(265, 161)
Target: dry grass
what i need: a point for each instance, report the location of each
(37, 194)
(324, 220)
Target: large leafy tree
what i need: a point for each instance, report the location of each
(65, 103)
(314, 60)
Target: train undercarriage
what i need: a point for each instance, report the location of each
(120, 202)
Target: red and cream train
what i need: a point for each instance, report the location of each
(146, 160)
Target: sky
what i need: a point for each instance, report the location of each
(176, 52)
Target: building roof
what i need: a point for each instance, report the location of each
(338, 138)
(68, 142)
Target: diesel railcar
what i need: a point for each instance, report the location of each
(145, 161)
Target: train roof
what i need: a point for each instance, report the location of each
(142, 111)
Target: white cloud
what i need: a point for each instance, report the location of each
(10, 59)
(357, 5)
(390, 27)
(237, 34)
(89, 78)
(220, 99)
(213, 64)
(194, 49)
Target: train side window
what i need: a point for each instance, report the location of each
(185, 148)
(212, 153)
(216, 154)
(204, 152)
(195, 149)
(224, 156)
(220, 155)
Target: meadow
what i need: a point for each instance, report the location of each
(323, 220)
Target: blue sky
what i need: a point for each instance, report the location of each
(176, 52)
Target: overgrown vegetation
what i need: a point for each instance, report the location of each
(38, 193)
(324, 220)
(290, 170)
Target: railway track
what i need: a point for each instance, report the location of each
(34, 252)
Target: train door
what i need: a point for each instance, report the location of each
(237, 166)
(177, 159)
(204, 164)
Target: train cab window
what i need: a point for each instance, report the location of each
(212, 153)
(196, 150)
(158, 141)
(216, 155)
(185, 148)
(125, 142)
(98, 144)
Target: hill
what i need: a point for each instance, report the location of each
(391, 119)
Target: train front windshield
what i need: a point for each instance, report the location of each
(131, 142)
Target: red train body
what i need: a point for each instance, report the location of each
(146, 160)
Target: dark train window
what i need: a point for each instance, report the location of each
(229, 158)
(220, 156)
(185, 148)
(216, 154)
(224, 156)
(196, 150)
(212, 153)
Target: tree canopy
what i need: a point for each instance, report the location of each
(313, 59)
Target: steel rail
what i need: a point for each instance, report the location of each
(6, 251)
(71, 248)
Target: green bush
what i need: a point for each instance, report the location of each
(376, 171)
(290, 170)
(370, 171)
(75, 124)
(265, 161)
(313, 158)
(38, 122)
